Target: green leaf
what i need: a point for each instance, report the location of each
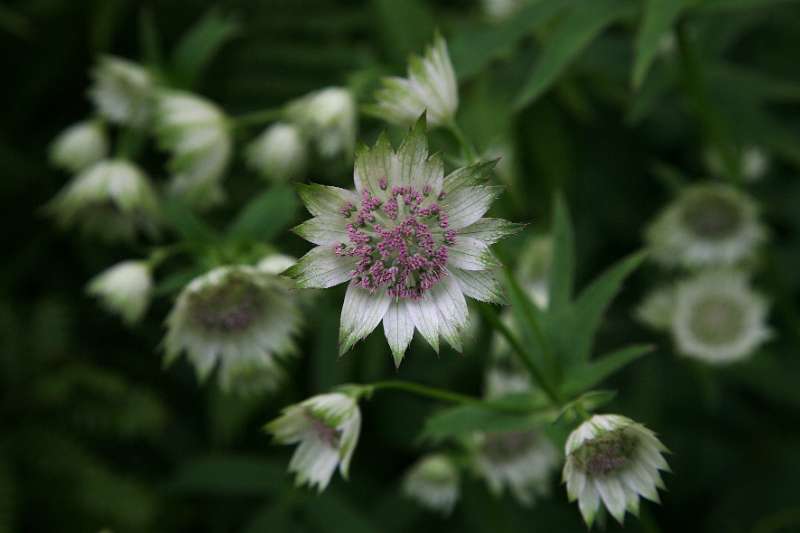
(334, 514)
(735, 5)
(587, 402)
(151, 41)
(463, 420)
(267, 215)
(574, 32)
(659, 16)
(200, 44)
(590, 374)
(176, 281)
(474, 48)
(229, 474)
(188, 225)
(562, 272)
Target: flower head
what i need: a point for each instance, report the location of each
(111, 198)
(718, 318)
(238, 316)
(433, 482)
(658, 308)
(707, 225)
(279, 153)
(612, 459)
(125, 288)
(122, 91)
(410, 242)
(198, 135)
(328, 118)
(79, 146)
(522, 461)
(326, 427)
(430, 86)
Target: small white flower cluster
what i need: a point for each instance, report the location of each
(711, 233)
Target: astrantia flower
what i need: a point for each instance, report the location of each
(125, 288)
(112, 199)
(326, 427)
(410, 242)
(276, 263)
(658, 308)
(430, 86)
(238, 316)
(79, 146)
(279, 153)
(122, 91)
(328, 118)
(501, 9)
(718, 318)
(198, 135)
(522, 461)
(707, 225)
(613, 459)
(434, 483)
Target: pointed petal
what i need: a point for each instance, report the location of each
(466, 206)
(321, 268)
(324, 200)
(469, 176)
(412, 154)
(374, 163)
(613, 496)
(589, 503)
(361, 313)
(491, 230)
(323, 230)
(471, 254)
(399, 329)
(452, 309)
(481, 285)
(425, 316)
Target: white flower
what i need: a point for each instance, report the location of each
(501, 9)
(111, 198)
(612, 459)
(658, 308)
(279, 153)
(523, 461)
(328, 118)
(326, 427)
(707, 225)
(410, 242)
(718, 318)
(753, 163)
(79, 146)
(197, 133)
(276, 263)
(122, 91)
(434, 483)
(125, 288)
(238, 316)
(430, 86)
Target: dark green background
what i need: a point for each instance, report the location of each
(94, 434)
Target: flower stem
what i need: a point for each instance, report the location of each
(463, 141)
(257, 118)
(424, 390)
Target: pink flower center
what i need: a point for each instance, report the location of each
(401, 240)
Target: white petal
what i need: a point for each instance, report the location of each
(466, 206)
(372, 164)
(399, 329)
(321, 268)
(425, 316)
(482, 285)
(323, 230)
(491, 230)
(322, 200)
(589, 502)
(471, 254)
(613, 496)
(361, 313)
(452, 309)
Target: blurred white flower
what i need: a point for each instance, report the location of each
(122, 91)
(501, 9)
(125, 289)
(279, 153)
(238, 317)
(753, 162)
(111, 199)
(276, 263)
(658, 308)
(430, 86)
(522, 461)
(198, 135)
(718, 318)
(433, 482)
(707, 225)
(329, 119)
(79, 146)
(326, 428)
(612, 459)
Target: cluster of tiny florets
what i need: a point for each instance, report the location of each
(402, 240)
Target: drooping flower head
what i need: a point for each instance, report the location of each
(707, 225)
(239, 318)
(198, 135)
(409, 241)
(79, 146)
(122, 91)
(433, 482)
(326, 429)
(279, 153)
(112, 199)
(125, 288)
(612, 459)
(522, 461)
(718, 318)
(328, 117)
(430, 86)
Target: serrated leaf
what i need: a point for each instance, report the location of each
(574, 32)
(229, 474)
(562, 272)
(200, 44)
(463, 420)
(590, 374)
(266, 215)
(658, 18)
(188, 225)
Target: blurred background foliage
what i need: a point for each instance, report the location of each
(595, 104)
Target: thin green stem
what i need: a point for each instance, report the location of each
(424, 390)
(257, 118)
(469, 150)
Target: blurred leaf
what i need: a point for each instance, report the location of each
(266, 215)
(151, 41)
(231, 475)
(460, 421)
(200, 44)
(188, 225)
(272, 517)
(587, 402)
(176, 281)
(732, 5)
(405, 29)
(659, 16)
(588, 375)
(336, 515)
(562, 272)
(573, 33)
